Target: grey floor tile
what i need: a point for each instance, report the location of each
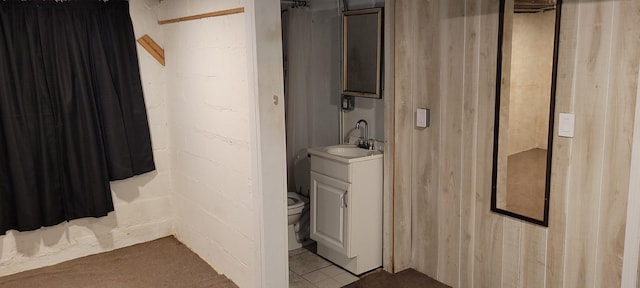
(328, 283)
(332, 270)
(315, 276)
(296, 281)
(297, 251)
(307, 262)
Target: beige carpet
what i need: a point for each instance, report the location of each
(160, 263)
(526, 179)
(405, 279)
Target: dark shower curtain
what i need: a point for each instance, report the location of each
(72, 114)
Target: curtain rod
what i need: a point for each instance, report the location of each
(205, 15)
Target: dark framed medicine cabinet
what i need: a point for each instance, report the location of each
(362, 52)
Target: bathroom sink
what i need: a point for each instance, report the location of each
(346, 153)
(349, 151)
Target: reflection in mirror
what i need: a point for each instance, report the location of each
(524, 108)
(362, 40)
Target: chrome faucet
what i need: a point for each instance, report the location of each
(364, 143)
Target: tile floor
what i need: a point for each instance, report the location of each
(308, 270)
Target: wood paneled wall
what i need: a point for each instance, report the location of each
(445, 60)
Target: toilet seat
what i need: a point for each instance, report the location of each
(294, 202)
(295, 206)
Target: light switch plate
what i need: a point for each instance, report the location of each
(566, 125)
(422, 117)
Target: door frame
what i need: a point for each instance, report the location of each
(269, 148)
(267, 134)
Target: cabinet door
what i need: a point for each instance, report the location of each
(330, 212)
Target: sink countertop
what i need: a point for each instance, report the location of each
(324, 152)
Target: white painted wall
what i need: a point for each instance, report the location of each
(142, 204)
(206, 109)
(368, 109)
(210, 136)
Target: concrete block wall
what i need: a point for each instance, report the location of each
(142, 204)
(210, 150)
(198, 107)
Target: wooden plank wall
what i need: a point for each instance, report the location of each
(403, 139)
(445, 60)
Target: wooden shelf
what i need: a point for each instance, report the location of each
(205, 15)
(153, 48)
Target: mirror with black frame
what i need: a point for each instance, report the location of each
(525, 99)
(361, 53)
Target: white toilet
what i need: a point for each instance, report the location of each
(295, 206)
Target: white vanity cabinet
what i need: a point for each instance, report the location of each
(330, 220)
(346, 209)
